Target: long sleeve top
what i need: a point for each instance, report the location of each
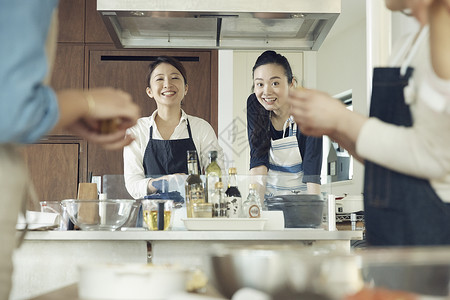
(423, 149)
(28, 108)
(203, 135)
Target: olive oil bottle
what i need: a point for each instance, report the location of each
(194, 184)
(213, 175)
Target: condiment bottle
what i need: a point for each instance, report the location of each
(194, 184)
(252, 206)
(218, 200)
(234, 199)
(213, 174)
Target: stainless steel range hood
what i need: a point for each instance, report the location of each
(219, 24)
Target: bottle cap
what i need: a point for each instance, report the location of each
(191, 155)
(219, 185)
(252, 186)
(212, 154)
(232, 171)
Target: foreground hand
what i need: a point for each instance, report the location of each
(101, 106)
(315, 112)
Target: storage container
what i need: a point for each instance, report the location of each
(300, 211)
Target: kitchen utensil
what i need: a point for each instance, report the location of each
(332, 274)
(88, 213)
(157, 214)
(300, 210)
(264, 268)
(130, 281)
(112, 215)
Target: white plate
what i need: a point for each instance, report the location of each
(224, 223)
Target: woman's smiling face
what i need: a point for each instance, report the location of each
(167, 85)
(271, 86)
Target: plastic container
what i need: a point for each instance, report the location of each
(300, 211)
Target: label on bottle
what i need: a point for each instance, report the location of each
(234, 205)
(254, 211)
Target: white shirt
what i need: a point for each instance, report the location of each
(422, 150)
(203, 136)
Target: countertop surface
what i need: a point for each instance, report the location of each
(185, 235)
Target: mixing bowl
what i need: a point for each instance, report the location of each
(131, 281)
(107, 214)
(320, 273)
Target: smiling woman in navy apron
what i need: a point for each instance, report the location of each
(405, 203)
(163, 139)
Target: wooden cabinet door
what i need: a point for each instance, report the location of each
(96, 31)
(71, 21)
(127, 70)
(55, 168)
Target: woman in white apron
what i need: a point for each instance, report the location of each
(291, 160)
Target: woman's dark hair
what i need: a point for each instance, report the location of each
(168, 60)
(261, 136)
(271, 57)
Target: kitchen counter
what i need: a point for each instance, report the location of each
(48, 260)
(301, 234)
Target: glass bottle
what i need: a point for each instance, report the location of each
(194, 184)
(213, 174)
(234, 198)
(219, 201)
(251, 207)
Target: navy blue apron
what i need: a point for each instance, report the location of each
(399, 210)
(164, 157)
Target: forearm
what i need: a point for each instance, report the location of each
(439, 20)
(313, 188)
(347, 131)
(73, 105)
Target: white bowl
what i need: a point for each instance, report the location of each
(130, 281)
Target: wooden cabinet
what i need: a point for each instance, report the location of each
(56, 167)
(71, 21)
(87, 58)
(127, 70)
(95, 28)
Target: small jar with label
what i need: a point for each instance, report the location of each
(251, 207)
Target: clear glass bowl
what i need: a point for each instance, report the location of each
(107, 214)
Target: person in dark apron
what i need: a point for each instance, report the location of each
(400, 209)
(155, 164)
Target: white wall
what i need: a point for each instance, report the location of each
(341, 66)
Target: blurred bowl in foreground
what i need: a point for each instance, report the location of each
(319, 273)
(130, 281)
(107, 214)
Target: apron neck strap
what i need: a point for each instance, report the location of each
(292, 126)
(423, 33)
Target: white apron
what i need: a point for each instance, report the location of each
(285, 172)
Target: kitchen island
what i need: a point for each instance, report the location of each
(48, 260)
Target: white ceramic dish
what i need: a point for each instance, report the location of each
(224, 223)
(130, 281)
